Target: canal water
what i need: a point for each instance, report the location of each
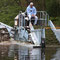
(16, 52)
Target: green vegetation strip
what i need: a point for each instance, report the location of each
(51, 38)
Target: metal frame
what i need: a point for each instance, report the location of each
(43, 17)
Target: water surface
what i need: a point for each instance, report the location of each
(16, 52)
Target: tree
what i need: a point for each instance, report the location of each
(43, 5)
(18, 2)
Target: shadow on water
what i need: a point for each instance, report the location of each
(15, 52)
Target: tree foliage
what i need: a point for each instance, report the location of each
(53, 8)
(10, 8)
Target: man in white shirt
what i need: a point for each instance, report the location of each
(31, 12)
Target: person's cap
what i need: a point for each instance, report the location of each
(31, 3)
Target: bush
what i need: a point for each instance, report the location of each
(53, 18)
(53, 8)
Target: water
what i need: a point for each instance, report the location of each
(15, 52)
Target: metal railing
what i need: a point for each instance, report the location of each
(42, 16)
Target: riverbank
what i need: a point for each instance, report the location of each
(51, 38)
(50, 41)
(8, 43)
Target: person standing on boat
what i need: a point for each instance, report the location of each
(31, 12)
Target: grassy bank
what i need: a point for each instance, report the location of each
(56, 21)
(51, 38)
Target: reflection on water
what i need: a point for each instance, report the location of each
(57, 55)
(24, 53)
(15, 52)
